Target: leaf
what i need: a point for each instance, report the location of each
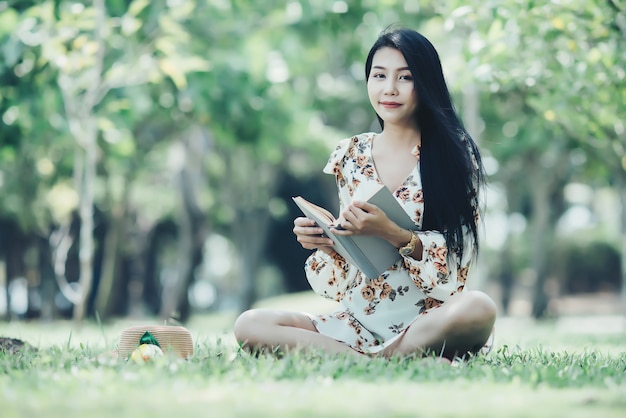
(195, 64)
(9, 20)
(170, 69)
(11, 53)
(148, 338)
(137, 7)
(558, 23)
(124, 147)
(172, 28)
(495, 31)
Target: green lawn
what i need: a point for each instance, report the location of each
(572, 367)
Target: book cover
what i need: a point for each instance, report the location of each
(371, 254)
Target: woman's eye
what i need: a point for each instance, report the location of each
(406, 77)
(378, 76)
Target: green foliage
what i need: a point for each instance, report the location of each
(586, 267)
(566, 60)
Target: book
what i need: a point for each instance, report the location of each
(371, 254)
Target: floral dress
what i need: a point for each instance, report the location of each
(375, 312)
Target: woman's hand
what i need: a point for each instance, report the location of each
(311, 236)
(362, 218)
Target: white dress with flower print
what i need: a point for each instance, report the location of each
(374, 312)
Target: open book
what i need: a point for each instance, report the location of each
(371, 254)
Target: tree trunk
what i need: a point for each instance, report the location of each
(86, 249)
(193, 227)
(111, 284)
(149, 286)
(82, 118)
(4, 281)
(252, 183)
(194, 243)
(190, 242)
(250, 231)
(14, 264)
(541, 231)
(6, 241)
(48, 283)
(621, 185)
(506, 277)
(545, 183)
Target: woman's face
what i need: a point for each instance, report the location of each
(390, 88)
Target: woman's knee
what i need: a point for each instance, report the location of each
(254, 324)
(475, 309)
(482, 305)
(246, 324)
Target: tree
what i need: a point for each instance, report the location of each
(90, 55)
(567, 58)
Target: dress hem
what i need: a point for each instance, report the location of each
(370, 351)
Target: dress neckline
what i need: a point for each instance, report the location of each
(415, 151)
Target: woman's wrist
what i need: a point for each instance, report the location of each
(399, 237)
(328, 251)
(402, 238)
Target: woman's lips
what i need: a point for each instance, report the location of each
(390, 104)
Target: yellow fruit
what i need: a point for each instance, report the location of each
(145, 353)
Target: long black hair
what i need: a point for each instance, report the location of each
(450, 164)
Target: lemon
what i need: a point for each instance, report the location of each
(145, 352)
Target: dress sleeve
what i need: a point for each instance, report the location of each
(332, 276)
(335, 166)
(436, 274)
(329, 276)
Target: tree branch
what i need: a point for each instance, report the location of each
(615, 6)
(91, 96)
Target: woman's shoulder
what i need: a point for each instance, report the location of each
(355, 140)
(344, 148)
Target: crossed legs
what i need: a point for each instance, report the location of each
(269, 330)
(461, 325)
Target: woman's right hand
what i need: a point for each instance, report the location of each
(311, 236)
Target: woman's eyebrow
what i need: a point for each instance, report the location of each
(379, 67)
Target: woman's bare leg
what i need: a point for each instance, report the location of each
(265, 329)
(461, 325)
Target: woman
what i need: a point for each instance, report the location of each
(426, 158)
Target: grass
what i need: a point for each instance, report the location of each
(573, 367)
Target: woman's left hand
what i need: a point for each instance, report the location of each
(362, 218)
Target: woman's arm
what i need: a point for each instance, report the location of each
(432, 270)
(327, 272)
(436, 273)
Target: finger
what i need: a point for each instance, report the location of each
(302, 221)
(350, 220)
(364, 206)
(314, 241)
(349, 214)
(343, 231)
(308, 230)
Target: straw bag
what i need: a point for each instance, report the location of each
(172, 339)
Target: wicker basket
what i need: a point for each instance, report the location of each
(172, 339)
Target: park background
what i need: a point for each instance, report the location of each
(149, 149)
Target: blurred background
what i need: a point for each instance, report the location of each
(149, 149)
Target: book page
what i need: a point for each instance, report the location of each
(322, 214)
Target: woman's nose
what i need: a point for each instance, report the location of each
(390, 87)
